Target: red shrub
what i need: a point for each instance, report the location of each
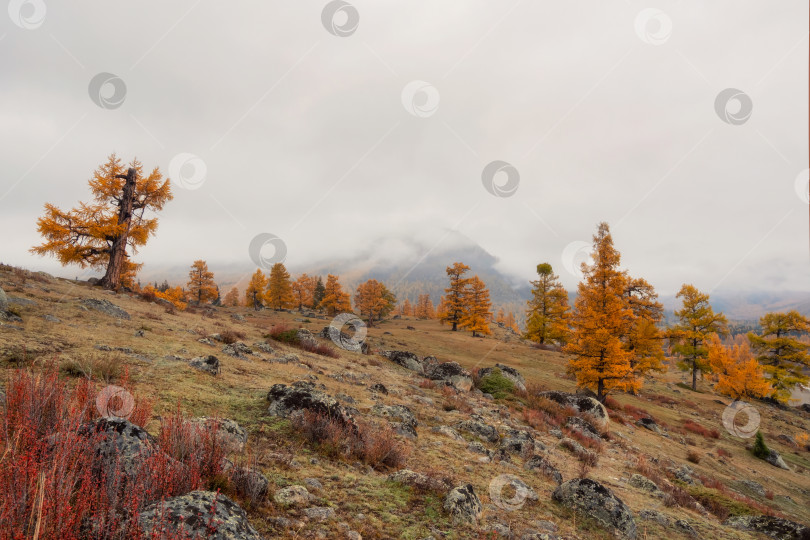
(696, 428)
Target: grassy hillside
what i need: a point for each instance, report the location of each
(155, 344)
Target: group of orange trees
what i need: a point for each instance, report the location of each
(614, 332)
(615, 335)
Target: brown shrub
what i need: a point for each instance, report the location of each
(693, 456)
(232, 336)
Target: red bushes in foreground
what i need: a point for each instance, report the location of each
(53, 484)
(696, 428)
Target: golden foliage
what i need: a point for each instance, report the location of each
(335, 299)
(201, 286)
(279, 293)
(374, 301)
(738, 373)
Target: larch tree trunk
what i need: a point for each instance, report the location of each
(118, 250)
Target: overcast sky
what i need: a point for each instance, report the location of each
(333, 136)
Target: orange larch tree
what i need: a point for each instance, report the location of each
(737, 372)
(548, 313)
(454, 300)
(279, 293)
(335, 299)
(406, 309)
(231, 298)
(374, 301)
(441, 310)
(254, 294)
(201, 286)
(600, 320)
(303, 290)
(424, 307)
(98, 234)
(476, 314)
(644, 340)
(501, 318)
(509, 322)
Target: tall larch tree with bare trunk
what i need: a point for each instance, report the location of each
(201, 286)
(454, 299)
(106, 231)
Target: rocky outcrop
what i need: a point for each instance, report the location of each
(598, 502)
(463, 505)
(237, 349)
(419, 481)
(770, 526)
(509, 372)
(582, 404)
(106, 307)
(649, 424)
(450, 372)
(645, 484)
(199, 514)
(583, 427)
(295, 496)
(209, 364)
(303, 396)
(516, 441)
(776, 460)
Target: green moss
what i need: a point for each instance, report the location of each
(496, 384)
(719, 504)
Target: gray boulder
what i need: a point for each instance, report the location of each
(516, 441)
(773, 527)
(303, 396)
(3, 300)
(199, 514)
(405, 359)
(598, 502)
(209, 364)
(463, 505)
(509, 372)
(582, 404)
(776, 460)
(583, 426)
(106, 307)
(450, 372)
(645, 484)
(230, 434)
(404, 420)
(295, 496)
(419, 481)
(237, 349)
(478, 427)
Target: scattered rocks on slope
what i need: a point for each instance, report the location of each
(319, 513)
(463, 505)
(582, 404)
(450, 372)
(686, 474)
(516, 441)
(478, 427)
(544, 466)
(649, 424)
(106, 307)
(192, 513)
(598, 502)
(774, 527)
(378, 388)
(509, 372)
(264, 347)
(447, 431)
(300, 396)
(755, 487)
(305, 337)
(583, 426)
(209, 364)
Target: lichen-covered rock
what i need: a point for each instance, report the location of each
(230, 434)
(199, 514)
(3, 300)
(378, 388)
(405, 359)
(450, 372)
(509, 372)
(404, 420)
(649, 424)
(583, 427)
(776, 460)
(463, 505)
(582, 404)
(516, 441)
(319, 513)
(209, 364)
(545, 467)
(237, 349)
(645, 484)
(770, 526)
(447, 431)
(598, 502)
(478, 427)
(296, 496)
(106, 307)
(418, 480)
(303, 396)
